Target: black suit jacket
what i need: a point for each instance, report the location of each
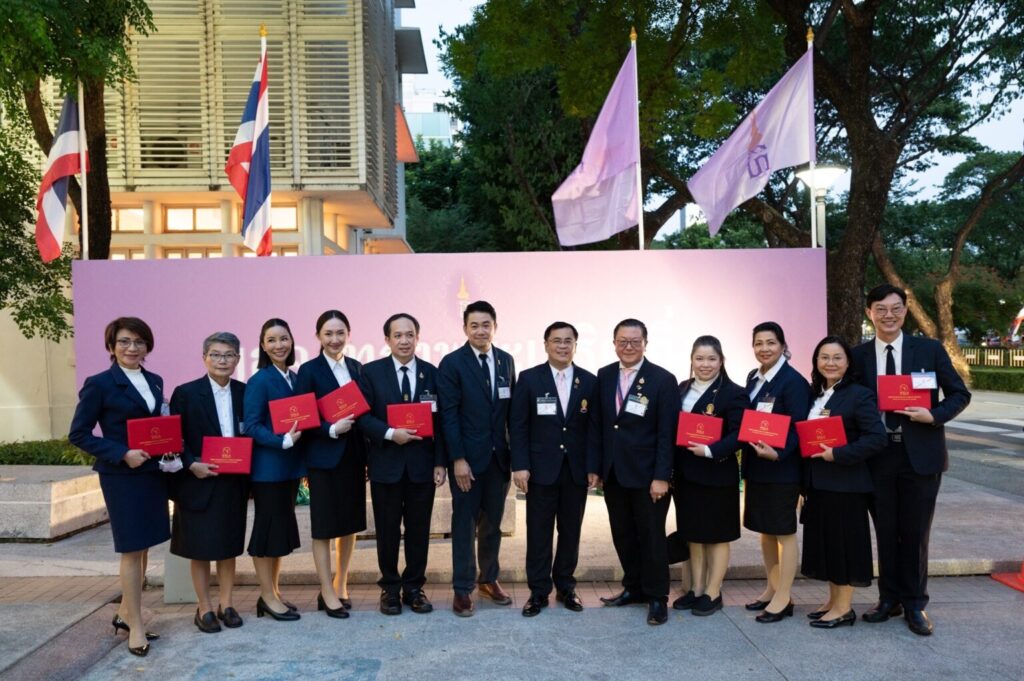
(865, 437)
(640, 448)
(322, 450)
(792, 397)
(722, 469)
(475, 419)
(925, 442)
(387, 460)
(541, 443)
(194, 402)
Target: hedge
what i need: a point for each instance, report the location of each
(1004, 380)
(43, 453)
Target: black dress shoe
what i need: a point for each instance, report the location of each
(625, 597)
(768, 617)
(570, 599)
(657, 611)
(141, 651)
(417, 601)
(263, 609)
(754, 606)
(918, 622)
(684, 602)
(816, 614)
(207, 622)
(390, 604)
(291, 606)
(346, 603)
(534, 605)
(339, 613)
(882, 611)
(119, 623)
(706, 605)
(230, 617)
(849, 618)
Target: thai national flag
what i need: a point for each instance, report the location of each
(248, 165)
(62, 163)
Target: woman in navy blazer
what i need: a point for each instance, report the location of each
(134, 488)
(277, 467)
(337, 466)
(772, 477)
(706, 477)
(837, 485)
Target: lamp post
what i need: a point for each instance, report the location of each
(818, 180)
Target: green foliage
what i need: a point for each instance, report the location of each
(1004, 380)
(738, 231)
(43, 453)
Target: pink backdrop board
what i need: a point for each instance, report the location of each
(678, 294)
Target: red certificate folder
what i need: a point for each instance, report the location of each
(765, 427)
(412, 416)
(300, 409)
(699, 428)
(828, 431)
(897, 392)
(345, 401)
(230, 454)
(155, 436)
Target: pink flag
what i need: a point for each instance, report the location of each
(778, 133)
(600, 197)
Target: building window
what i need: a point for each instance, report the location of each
(286, 251)
(192, 252)
(192, 219)
(282, 218)
(126, 220)
(127, 254)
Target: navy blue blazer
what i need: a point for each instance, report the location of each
(727, 401)
(925, 442)
(640, 448)
(194, 402)
(270, 461)
(386, 460)
(110, 399)
(792, 396)
(541, 443)
(865, 437)
(475, 419)
(320, 449)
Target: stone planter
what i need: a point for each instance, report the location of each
(48, 502)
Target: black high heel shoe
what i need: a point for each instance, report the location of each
(340, 613)
(263, 609)
(849, 618)
(767, 616)
(119, 623)
(141, 651)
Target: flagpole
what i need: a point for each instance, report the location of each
(813, 189)
(639, 181)
(82, 153)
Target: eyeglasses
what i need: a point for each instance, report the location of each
(895, 310)
(129, 343)
(217, 357)
(630, 342)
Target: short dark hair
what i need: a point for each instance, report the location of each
(630, 322)
(478, 306)
(714, 344)
(264, 359)
(395, 318)
(133, 324)
(817, 380)
(774, 328)
(554, 326)
(224, 337)
(883, 291)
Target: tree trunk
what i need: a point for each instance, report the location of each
(947, 329)
(98, 185)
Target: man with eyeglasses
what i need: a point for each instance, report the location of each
(907, 475)
(632, 444)
(548, 427)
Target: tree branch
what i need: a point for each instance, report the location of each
(923, 319)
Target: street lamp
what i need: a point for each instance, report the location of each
(818, 180)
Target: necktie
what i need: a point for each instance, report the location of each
(892, 421)
(624, 381)
(487, 372)
(563, 392)
(406, 386)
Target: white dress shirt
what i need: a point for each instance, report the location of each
(141, 385)
(880, 353)
(287, 442)
(389, 435)
(697, 388)
(567, 371)
(765, 377)
(225, 413)
(490, 365)
(819, 404)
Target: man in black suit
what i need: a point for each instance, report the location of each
(405, 467)
(907, 475)
(476, 383)
(549, 426)
(633, 432)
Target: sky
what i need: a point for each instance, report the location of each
(421, 91)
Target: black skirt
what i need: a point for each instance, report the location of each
(837, 539)
(707, 514)
(216, 532)
(337, 498)
(770, 507)
(137, 506)
(275, 532)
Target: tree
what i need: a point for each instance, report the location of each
(68, 41)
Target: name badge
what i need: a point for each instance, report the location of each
(547, 406)
(427, 397)
(241, 427)
(504, 392)
(635, 406)
(767, 404)
(924, 380)
(170, 463)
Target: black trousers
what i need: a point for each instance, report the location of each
(638, 533)
(902, 508)
(476, 514)
(563, 503)
(394, 504)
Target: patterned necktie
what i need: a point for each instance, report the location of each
(624, 382)
(406, 386)
(487, 373)
(892, 420)
(563, 392)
